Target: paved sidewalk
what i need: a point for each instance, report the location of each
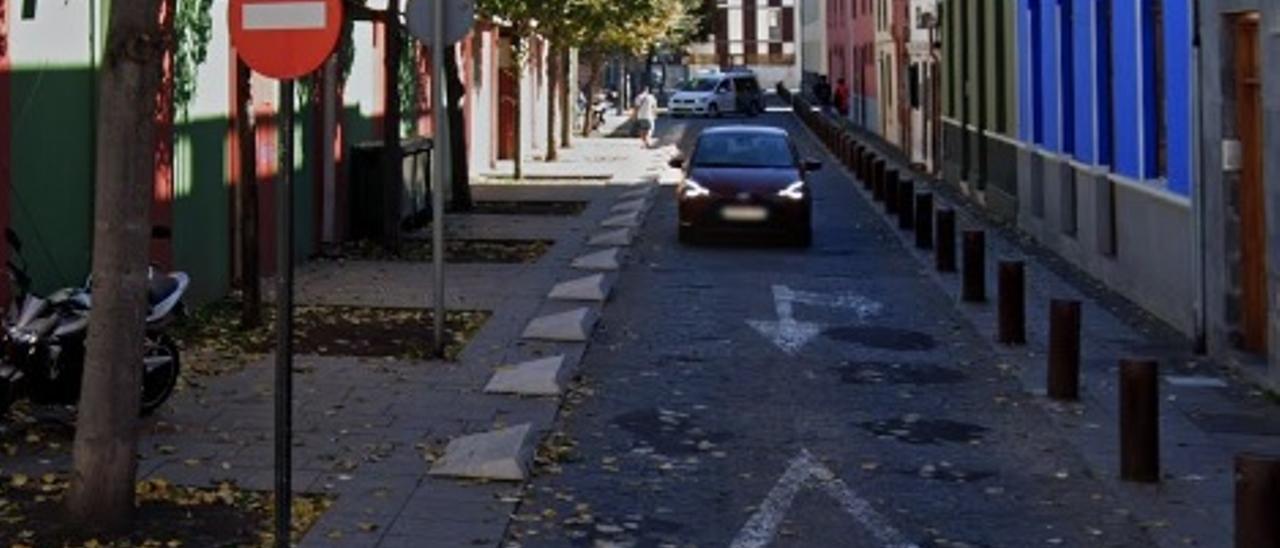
(369, 430)
(1207, 415)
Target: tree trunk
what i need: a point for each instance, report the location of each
(250, 274)
(105, 448)
(392, 166)
(457, 133)
(517, 51)
(566, 98)
(592, 80)
(553, 76)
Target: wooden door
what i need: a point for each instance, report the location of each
(1253, 235)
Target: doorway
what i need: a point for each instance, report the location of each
(1247, 93)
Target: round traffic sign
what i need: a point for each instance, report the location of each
(284, 38)
(459, 17)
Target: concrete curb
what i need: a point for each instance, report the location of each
(612, 238)
(539, 377)
(587, 288)
(606, 259)
(571, 326)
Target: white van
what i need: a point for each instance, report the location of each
(719, 93)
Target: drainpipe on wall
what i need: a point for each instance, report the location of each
(1198, 213)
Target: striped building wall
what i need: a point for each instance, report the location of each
(758, 34)
(851, 44)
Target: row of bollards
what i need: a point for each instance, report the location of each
(1257, 477)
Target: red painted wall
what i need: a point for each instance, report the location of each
(162, 183)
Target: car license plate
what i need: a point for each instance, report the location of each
(744, 214)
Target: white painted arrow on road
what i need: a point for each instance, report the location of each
(806, 471)
(790, 334)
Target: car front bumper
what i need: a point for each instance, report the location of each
(782, 215)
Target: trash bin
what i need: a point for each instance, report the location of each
(368, 189)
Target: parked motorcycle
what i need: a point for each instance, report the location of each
(42, 343)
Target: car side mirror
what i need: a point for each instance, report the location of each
(677, 162)
(812, 165)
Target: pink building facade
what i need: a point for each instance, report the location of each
(851, 45)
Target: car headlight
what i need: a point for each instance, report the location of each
(794, 191)
(703, 99)
(694, 190)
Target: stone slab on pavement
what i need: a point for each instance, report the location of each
(607, 259)
(641, 191)
(628, 206)
(531, 378)
(570, 326)
(622, 220)
(497, 455)
(587, 288)
(612, 238)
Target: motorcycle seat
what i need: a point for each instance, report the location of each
(160, 288)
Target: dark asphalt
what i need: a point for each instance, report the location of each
(687, 417)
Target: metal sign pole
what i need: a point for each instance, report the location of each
(284, 321)
(440, 175)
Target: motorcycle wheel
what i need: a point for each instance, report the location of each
(160, 367)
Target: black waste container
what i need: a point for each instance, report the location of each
(368, 190)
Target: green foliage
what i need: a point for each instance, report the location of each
(193, 30)
(408, 82)
(602, 27)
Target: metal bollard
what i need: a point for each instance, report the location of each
(1139, 421)
(864, 169)
(906, 204)
(946, 241)
(1257, 500)
(1011, 291)
(924, 220)
(877, 179)
(891, 191)
(1064, 350)
(858, 161)
(975, 266)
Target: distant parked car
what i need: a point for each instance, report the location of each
(745, 179)
(719, 93)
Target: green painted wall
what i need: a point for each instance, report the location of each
(201, 208)
(52, 171)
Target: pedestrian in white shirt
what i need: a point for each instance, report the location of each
(646, 115)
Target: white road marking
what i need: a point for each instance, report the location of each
(805, 471)
(790, 334)
(285, 16)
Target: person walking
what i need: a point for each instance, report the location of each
(842, 97)
(822, 92)
(646, 115)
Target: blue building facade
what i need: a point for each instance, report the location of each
(1109, 83)
(1108, 142)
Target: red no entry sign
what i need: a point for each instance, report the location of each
(284, 38)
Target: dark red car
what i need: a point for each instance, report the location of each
(745, 179)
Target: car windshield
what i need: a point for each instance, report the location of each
(743, 150)
(701, 84)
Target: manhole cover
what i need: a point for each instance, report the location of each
(668, 432)
(886, 338)
(925, 432)
(916, 373)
